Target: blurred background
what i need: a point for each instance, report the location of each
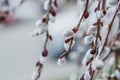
(19, 51)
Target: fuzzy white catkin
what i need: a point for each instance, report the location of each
(61, 61)
(39, 31)
(38, 23)
(97, 64)
(34, 75)
(68, 33)
(67, 45)
(84, 61)
(99, 14)
(46, 5)
(111, 61)
(88, 54)
(36, 32)
(87, 75)
(88, 39)
(91, 29)
(117, 44)
(42, 59)
(117, 74)
(87, 57)
(52, 18)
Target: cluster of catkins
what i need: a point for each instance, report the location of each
(6, 10)
(99, 22)
(50, 6)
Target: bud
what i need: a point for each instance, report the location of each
(41, 22)
(90, 53)
(86, 15)
(45, 53)
(62, 61)
(88, 39)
